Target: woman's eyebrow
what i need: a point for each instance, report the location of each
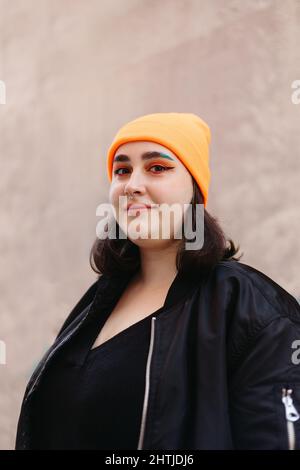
(144, 156)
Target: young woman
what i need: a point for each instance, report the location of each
(174, 346)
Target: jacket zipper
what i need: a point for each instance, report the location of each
(291, 415)
(147, 386)
(51, 354)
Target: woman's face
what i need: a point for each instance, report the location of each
(152, 179)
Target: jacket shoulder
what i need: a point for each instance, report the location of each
(253, 304)
(256, 297)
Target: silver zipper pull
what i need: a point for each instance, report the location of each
(291, 413)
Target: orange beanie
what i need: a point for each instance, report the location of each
(185, 134)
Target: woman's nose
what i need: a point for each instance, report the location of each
(136, 182)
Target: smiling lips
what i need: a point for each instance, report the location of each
(139, 207)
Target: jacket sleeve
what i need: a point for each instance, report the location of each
(264, 386)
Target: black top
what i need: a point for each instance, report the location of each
(93, 398)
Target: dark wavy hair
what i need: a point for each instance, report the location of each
(116, 256)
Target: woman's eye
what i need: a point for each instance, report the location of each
(116, 171)
(159, 166)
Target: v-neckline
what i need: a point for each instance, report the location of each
(106, 299)
(118, 336)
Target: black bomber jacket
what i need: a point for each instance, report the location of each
(223, 369)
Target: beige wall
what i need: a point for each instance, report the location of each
(75, 71)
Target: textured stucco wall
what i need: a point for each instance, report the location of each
(74, 72)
